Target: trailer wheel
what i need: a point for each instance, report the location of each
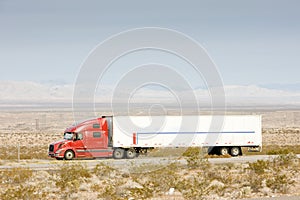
(224, 151)
(235, 151)
(118, 153)
(69, 155)
(130, 153)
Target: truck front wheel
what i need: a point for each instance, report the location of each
(118, 153)
(69, 155)
(130, 153)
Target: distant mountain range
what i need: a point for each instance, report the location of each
(295, 87)
(32, 92)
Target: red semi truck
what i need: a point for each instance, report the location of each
(105, 136)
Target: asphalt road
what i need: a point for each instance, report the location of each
(125, 164)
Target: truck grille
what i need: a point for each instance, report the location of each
(51, 147)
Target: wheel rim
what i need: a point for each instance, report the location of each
(130, 153)
(118, 153)
(69, 155)
(224, 151)
(235, 151)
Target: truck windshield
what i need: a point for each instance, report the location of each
(68, 136)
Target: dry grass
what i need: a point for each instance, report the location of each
(197, 179)
(26, 152)
(275, 150)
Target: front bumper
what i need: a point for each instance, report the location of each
(55, 155)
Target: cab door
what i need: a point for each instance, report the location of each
(79, 145)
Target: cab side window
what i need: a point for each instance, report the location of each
(96, 125)
(96, 134)
(79, 136)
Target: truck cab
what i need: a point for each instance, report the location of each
(86, 139)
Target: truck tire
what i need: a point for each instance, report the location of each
(224, 151)
(118, 153)
(130, 153)
(69, 155)
(235, 151)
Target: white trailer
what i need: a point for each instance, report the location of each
(222, 134)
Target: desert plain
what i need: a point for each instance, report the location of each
(32, 130)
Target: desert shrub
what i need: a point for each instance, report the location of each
(194, 184)
(161, 180)
(194, 158)
(195, 187)
(102, 170)
(271, 171)
(259, 167)
(140, 193)
(16, 180)
(155, 182)
(111, 180)
(22, 192)
(71, 176)
(283, 167)
(278, 151)
(107, 190)
(257, 173)
(256, 181)
(110, 189)
(224, 177)
(15, 175)
(280, 182)
(285, 160)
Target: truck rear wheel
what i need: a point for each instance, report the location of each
(130, 153)
(118, 153)
(224, 151)
(69, 155)
(235, 151)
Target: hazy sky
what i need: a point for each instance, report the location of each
(252, 42)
